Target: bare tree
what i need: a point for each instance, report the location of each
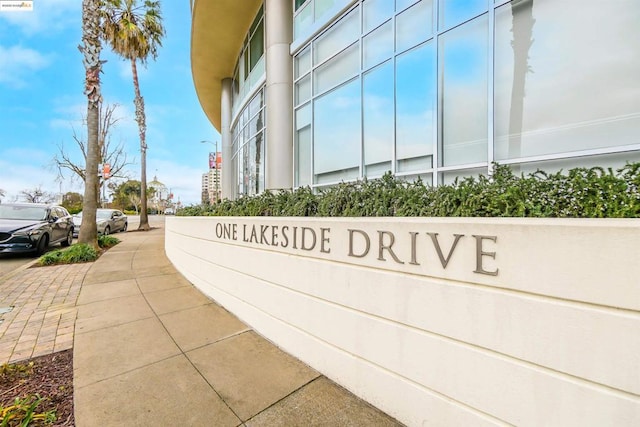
(37, 195)
(2, 194)
(115, 156)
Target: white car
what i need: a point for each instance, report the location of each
(108, 221)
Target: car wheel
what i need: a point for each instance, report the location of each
(69, 240)
(42, 245)
(126, 224)
(107, 230)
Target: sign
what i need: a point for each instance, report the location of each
(106, 171)
(16, 6)
(215, 160)
(411, 249)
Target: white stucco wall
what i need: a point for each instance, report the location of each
(531, 322)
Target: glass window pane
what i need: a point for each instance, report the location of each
(338, 69)
(403, 4)
(336, 134)
(256, 103)
(375, 12)
(303, 116)
(426, 178)
(256, 124)
(256, 45)
(303, 62)
(341, 35)
(464, 93)
(257, 73)
(414, 25)
(415, 108)
(613, 161)
(322, 6)
(449, 177)
(303, 146)
(377, 46)
(377, 105)
(453, 12)
(255, 165)
(256, 22)
(303, 90)
(299, 3)
(303, 20)
(563, 84)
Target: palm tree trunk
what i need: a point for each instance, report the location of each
(142, 129)
(90, 49)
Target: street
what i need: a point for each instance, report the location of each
(11, 262)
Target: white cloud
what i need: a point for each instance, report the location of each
(184, 181)
(19, 64)
(47, 16)
(23, 169)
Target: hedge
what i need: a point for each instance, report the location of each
(580, 193)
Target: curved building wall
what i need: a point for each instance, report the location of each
(439, 321)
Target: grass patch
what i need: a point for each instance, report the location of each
(80, 252)
(26, 411)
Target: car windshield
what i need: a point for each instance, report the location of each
(33, 213)
(103, 214)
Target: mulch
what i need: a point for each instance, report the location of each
(51, 377)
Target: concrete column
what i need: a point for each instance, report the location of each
(225, 135)
(278, 15)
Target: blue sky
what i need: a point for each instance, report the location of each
(41, 102)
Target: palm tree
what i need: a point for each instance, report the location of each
(90, 48)
(135, 32)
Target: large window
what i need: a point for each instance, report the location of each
(567, 77)
(442, 88)
(248, 147)
(250, 67)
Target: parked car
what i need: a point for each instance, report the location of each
(108, 220)
(169, 211)
(32, 227)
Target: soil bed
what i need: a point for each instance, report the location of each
(51, 377)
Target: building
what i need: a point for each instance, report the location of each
(160, 196)
(317, 92)
(320, 91)
(211, 186)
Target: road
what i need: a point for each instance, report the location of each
(11, 262)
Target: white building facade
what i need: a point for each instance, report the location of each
(322, 91)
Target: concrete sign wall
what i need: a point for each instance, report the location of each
(437, 320)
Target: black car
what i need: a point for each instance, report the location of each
(32, 227)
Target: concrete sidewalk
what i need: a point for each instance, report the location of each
(151, 350)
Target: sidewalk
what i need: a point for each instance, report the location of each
(151, 350)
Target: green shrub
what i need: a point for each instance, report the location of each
(580, 193)
(107, 241)
(80, 252)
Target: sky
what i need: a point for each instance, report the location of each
(42, 102)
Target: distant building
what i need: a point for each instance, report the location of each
(317, 92)
(211, 188)
(160, 198)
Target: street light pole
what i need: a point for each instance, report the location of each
(217, 173)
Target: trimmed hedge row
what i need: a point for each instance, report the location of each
(580, 193)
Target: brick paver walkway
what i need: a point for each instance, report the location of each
(43, 311)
